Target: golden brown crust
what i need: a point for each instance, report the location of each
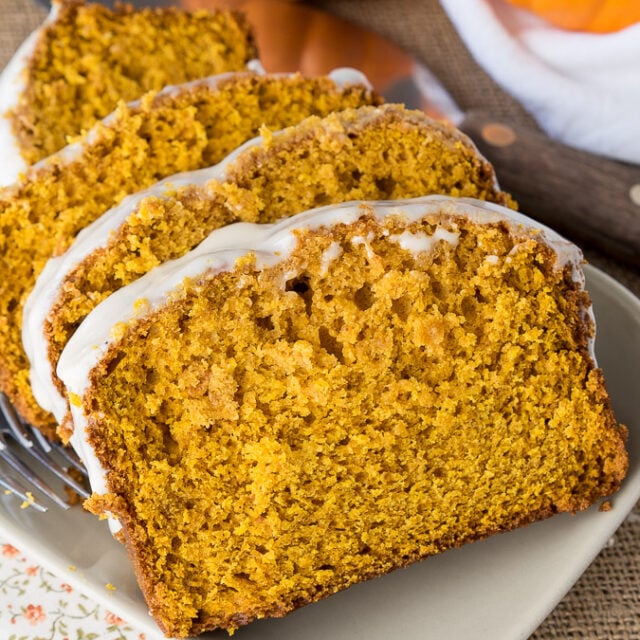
(482, 414)
(254, 190)
(478, 171)
(163, 135)
(83, 65)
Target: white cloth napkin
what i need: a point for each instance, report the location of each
(583, 89)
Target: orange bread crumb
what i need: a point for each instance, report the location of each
(383, 152)
(281, 427)
(187, 128)
(89, 58)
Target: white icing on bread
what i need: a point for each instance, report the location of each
(97, 235)
(270, 243)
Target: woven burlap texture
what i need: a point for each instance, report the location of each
(605, 602)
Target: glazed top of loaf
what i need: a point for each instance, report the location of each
(271, 244)
(69, 73)
(98, 233)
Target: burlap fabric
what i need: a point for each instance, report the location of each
(605, 603)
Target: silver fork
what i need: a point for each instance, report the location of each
(16, 438)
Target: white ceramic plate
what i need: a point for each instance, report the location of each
(499, 589)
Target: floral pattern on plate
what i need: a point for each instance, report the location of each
(36, 605)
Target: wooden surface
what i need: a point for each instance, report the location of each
(585, 197)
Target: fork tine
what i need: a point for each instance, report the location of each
(11, 486)
(38, 447)
(57, 470)
(68, 455)
(19, 467)
(22, 436)
(14, 423)
(72, 458)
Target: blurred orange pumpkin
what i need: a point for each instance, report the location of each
(595, 16)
